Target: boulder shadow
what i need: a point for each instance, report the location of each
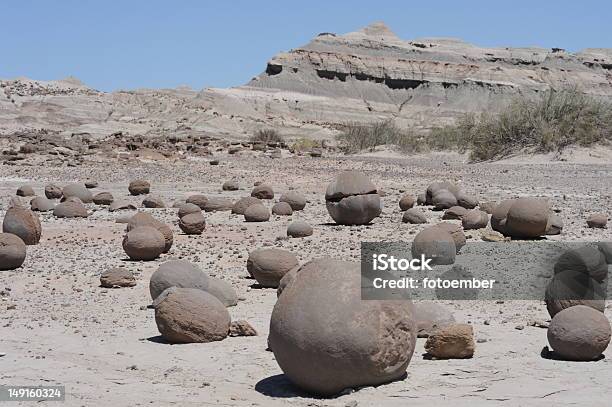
(158, 339)
(280, 386)
(548, 354)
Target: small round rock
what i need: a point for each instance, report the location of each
(12, 251)
(193, 223)
(256, 213)
(406, 202)
(295, 199)
(139, 187)
(268, 266)
(597, 220)
(53, 191)
(298, 229)
(26, 190)
(282, 209)
(144, 243)
(263, 191)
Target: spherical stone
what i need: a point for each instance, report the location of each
(143, 243)
(103, 198)
(443, 199)
(451, 342)
(295, 199)
(282, 209)
(263, 191)
(406, 202)
(26, 190)
(606, 249)
(349, 183)
(41, 204)
(223, 291)
(24, 223)
(587, 259)
(146, 219)
(475, 219)
(70, 209)
(554, 225)
(355, 209)
(193, 224)
(430, 317)
(435, 243)
(53, 191)
(231, 185)
(499, 216)
(121, 206)
(218, 204)
(139, 187)
(466, 201)
(256, 213)
(268, 266)
(243, 203)
(421, 199)
(189, 315)
(597, 220)
(199, 200)
(187, 208)
(414, 216)
(78, 191)
(177, 273)
(527, 218)
(569, 288)
(579, 333)
(117, 277)
(456, 233)
(12, 251)
(153, 201)
(299, 228)
(433, 188)
(454, 213)
(326, 339)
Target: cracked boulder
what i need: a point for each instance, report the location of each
(352, 199)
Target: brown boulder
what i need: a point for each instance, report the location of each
(451, 342)
(24, 223)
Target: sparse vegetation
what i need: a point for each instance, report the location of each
(267, 136)
(357, 137)
(305, 144)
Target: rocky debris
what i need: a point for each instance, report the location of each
(597, 220)
(12, 251)
(146, 219)
(263, 191)
(554, 225)
(231, 185)
(177, 273)
(223, 291)
(24, 223)
(282, 209)
(451, 342)
(454, 213)
(579, 333)
(527, 218)
(53, 191)
(77, 191)
(327, 352)
(103, 198)
(256, 213)
(268, 266)
(241, 328)
(215, 204)
(189, 315)
(243, 203)
(493, 236)
(117, 277)
(296, 200)
(193, 223)
(198, 199)
(143, 243)
(406, 202)
(187, 208)
(70, 209)
(435, 243)
(25, 190)
(352, 199)
(430, 317)
(414, 216)
(139, 187)
(42, 204)
(475, 219)
(298, 229)
(121, 206)
(154, 202)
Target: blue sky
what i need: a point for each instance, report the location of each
(127, 44)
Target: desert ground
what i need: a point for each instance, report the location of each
(58, 326)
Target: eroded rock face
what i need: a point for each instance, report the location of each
(344, 342)
(12, 251)
(579, 333)
(352, 199)
(24, 223)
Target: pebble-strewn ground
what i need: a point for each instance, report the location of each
(59, 327)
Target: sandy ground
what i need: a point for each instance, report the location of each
(59, 327)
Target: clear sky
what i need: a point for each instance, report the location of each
(129, 44)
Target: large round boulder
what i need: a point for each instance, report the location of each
(42, 204)
(454, 213)
(256, 213)
(268, 266)
(527, 218)
(466, 201)
(24, 223)
(219, 204)
(243, 203)
(435, 187)
(597, 220)
(177, 273)
(26, 190)
(231, 185)
(193, 224)
(475, 219)
(146, 219)
(263, 191)
(121, 205)
(326, 339)
(579, 333)
(189, 315)
(434, 243)
(455, 231)
(295, 199)
(139, 187)
(70, 209)
(352, 199)
(299, 228)
(223, 291)
(78, 191)
(414, 216)
(406, 202)
(187, 208)
(117, 277)
(12, 251)
(198, 199)
(154, 202)
(143, 243)
(53, 191)
(103, 198)
(282, 209)
(499, 216)
(443, 199)
(569, 288)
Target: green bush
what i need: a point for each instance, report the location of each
(357, 137)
